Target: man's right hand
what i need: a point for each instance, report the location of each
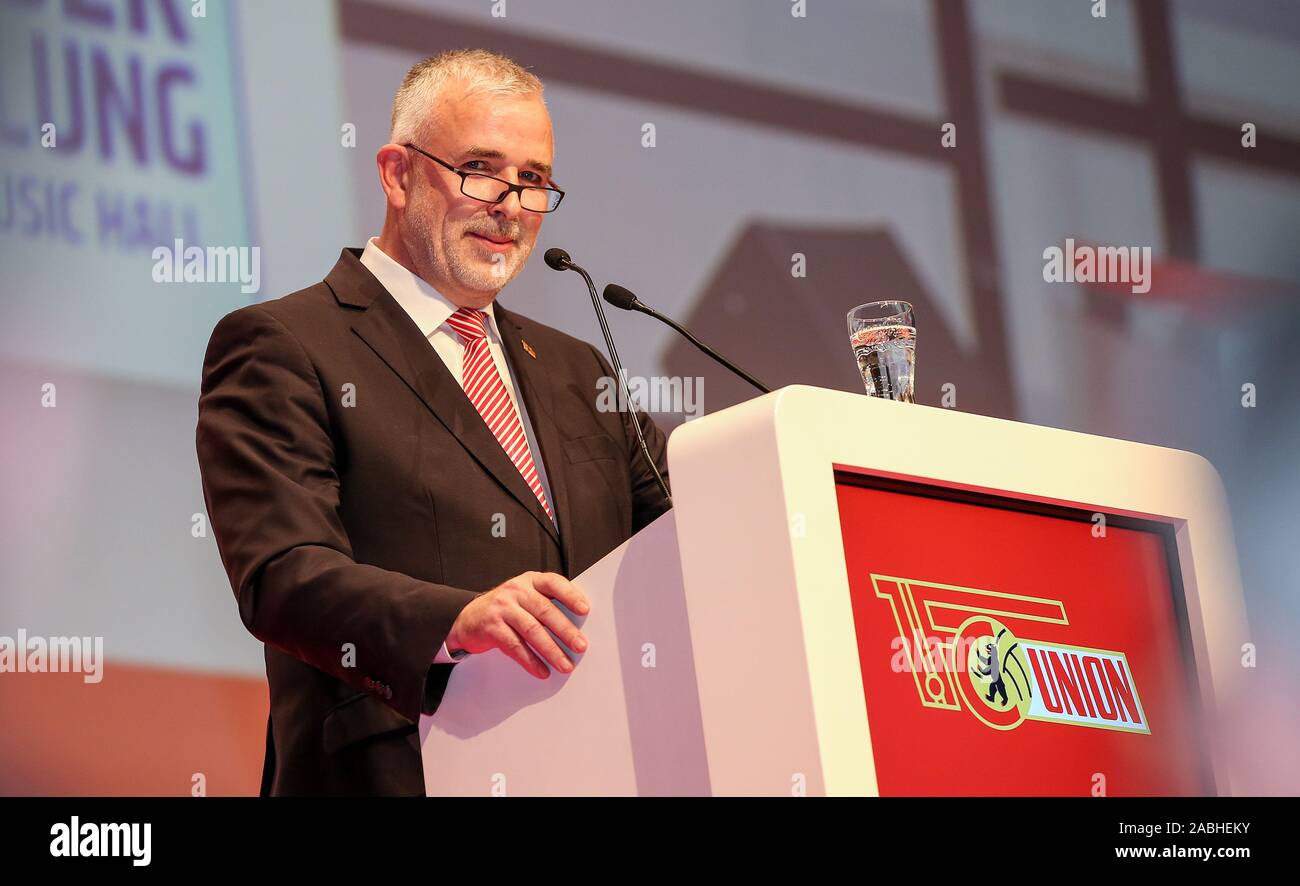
(514, 617)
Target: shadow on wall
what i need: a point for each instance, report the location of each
(786, 329)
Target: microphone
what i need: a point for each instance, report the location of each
(557, 259)
(623, 298)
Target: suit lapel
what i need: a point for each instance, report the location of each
(394, 337)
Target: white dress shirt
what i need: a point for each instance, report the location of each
(430, 309)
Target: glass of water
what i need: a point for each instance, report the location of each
(883, 336)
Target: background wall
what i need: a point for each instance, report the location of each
(773, 135)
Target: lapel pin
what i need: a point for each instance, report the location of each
(528, 348)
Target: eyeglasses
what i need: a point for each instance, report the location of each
(494, 190)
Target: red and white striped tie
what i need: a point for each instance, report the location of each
(486, 390)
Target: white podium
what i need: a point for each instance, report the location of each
(727, 657)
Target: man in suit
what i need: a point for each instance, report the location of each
(398, 470)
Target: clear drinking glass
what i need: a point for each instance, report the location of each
(883, 336)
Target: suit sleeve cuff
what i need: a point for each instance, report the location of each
(445, 657)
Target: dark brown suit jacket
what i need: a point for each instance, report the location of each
(353, 535)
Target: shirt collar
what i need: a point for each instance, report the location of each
(428, 307)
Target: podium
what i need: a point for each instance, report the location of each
(855, 596)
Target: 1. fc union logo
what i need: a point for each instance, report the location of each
(961, 654)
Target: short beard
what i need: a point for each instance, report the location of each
(442, 252)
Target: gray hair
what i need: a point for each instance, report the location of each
(477, 70)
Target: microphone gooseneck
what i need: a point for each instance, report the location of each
(621, 297)
(557, 259)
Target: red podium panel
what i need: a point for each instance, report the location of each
(1010, 647)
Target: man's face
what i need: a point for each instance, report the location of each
(466, 248)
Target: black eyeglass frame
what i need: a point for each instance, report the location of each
(509, 187)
